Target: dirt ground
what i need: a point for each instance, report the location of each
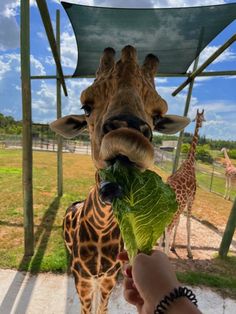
(205, 243)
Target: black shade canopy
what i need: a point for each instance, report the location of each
(175, 35)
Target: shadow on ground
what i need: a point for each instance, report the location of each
(31, 263)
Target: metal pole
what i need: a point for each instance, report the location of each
(181, 134)
(229, 232)
(27, 129)
(59, 138)
(212, 177)
(205, 74)
(43, 9)
(205, 64)
(187, 104)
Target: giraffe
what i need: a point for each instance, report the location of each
(183, 181)
(121, 109)
(230, 174)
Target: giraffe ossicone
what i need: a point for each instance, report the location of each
(121, 110)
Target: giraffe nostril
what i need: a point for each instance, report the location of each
(128, 121)
(114, 125)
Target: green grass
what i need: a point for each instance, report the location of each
(222, 276)
(203, 174)
(50, 253)
(223, 283)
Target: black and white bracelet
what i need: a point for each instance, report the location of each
(175, 294)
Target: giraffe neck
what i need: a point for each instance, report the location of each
(192, 151)
(97, 214)
(228, 161)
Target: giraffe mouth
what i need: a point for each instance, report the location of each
(130, 143)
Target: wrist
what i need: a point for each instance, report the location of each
(178, 297)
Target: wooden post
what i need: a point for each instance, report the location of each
(59, 138)
(229, 232)
(27, 129)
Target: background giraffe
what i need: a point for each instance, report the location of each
(230, 174)
(121, 109)
(183, 181)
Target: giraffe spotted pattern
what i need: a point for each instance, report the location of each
(121, 109)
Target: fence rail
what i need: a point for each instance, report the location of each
(209, 177)
(70, 146)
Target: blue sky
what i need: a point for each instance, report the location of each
(216, 95)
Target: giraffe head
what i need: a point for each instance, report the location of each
(121, 110)
(223, 149)
(199, 118)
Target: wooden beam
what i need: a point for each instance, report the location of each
(43, 9)
(27, 129)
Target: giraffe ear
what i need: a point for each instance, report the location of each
(170, 124)
(69, 126)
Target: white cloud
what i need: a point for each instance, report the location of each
(8, 63)
(215, 107)
(9, 29)
(37, 66)
(4, 68)
(68, 50)
(161, 80)
(227, 55)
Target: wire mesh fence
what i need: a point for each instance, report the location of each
(209, 176)
(45, 144)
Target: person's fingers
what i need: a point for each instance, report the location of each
(133, 297)
(127, 271)
(123, 256)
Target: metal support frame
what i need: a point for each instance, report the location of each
(204, 74)
(187, 104)
(27, 129)
(27, 160)
(59, 138)
(195, 73)
(26, 102)
(43, 9)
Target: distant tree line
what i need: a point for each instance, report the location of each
(213, 144)
(8, 125)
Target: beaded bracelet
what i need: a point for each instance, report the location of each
(175, 294)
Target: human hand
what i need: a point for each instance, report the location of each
(148, 281)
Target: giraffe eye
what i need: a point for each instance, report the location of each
(156, 119)
(87, 110)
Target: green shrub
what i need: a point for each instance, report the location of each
(203, 155)
(185, 148)
(232, 153)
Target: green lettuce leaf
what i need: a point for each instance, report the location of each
(145, 209)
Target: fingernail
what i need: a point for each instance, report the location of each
(128, 272)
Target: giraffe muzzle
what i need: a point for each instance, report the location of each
(127, 142)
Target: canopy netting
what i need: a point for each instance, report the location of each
(175, 35)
